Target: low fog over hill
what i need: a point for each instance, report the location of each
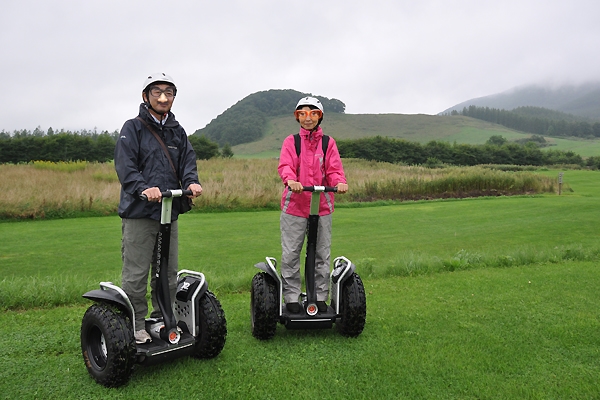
(582, 100)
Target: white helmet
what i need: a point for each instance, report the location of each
(158, 77)
(310, 101)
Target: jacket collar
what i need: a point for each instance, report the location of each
(170, 122)
(316, 134)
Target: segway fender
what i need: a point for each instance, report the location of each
(342, 270)
(270, 268)
(191, 286)
(112, 294)
(109, 296)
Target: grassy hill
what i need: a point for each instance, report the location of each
(257, 125)
(418, 128)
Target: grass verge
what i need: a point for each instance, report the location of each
(69, 257)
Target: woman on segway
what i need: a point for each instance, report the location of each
(307, 159)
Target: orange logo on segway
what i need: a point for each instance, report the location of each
(173, 337)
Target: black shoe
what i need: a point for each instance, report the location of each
(322, 306)
(294, 308)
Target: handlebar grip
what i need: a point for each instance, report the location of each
(319, 188)
(168, 193)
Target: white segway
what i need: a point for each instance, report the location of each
(348, 307)
(193, 324)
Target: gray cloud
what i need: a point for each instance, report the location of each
(79, 65)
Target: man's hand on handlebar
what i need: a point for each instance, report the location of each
(196, 190)
(153, 194)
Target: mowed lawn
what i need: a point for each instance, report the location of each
(529, 331)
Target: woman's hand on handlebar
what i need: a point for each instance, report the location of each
(294, 186)
(342, 187)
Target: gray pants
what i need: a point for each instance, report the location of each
(293, 232)
(137, 250)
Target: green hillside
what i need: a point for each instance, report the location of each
(418, 128)
(245, 121)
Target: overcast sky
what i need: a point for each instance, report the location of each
(77, 64)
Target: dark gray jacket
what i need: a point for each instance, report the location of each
(141, 163)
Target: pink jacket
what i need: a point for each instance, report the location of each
(309, 169)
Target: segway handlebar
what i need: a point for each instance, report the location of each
(319, 188)
(171, 193)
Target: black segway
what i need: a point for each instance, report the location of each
(348, 307)
(194, 324)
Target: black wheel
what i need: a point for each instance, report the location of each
(353, 307)
(108, 344)
(263, 306)
(213, 327)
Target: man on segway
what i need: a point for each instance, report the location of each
(308, 158)
(152, 154)
(156, 165)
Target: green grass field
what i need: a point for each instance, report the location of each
(585, 148)
(493, 298)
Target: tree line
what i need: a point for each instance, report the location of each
(436, 153)
(23, 146)
(245, 121)
(536, 120)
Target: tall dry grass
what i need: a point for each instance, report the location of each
(40, 190)
(30, 191)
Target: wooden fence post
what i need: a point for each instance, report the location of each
(560, 175)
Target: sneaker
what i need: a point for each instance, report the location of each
(322, 306)
(142, 337)
(294, 308)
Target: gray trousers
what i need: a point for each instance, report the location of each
(293, 233)
(137, 250)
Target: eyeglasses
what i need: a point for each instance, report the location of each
(156, 92)
(302, 114)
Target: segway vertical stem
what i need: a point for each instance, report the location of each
(311, 245)
(311, 252)
(163, 245)
(163, 296)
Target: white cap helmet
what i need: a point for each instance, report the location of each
(310, 101)
(158, 77)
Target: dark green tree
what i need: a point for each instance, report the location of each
(204, 147)
(226, 152)
(496, 140)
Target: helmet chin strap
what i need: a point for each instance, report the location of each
(149, 106)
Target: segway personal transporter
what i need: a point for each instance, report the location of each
(194, 324)
(348, 307)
